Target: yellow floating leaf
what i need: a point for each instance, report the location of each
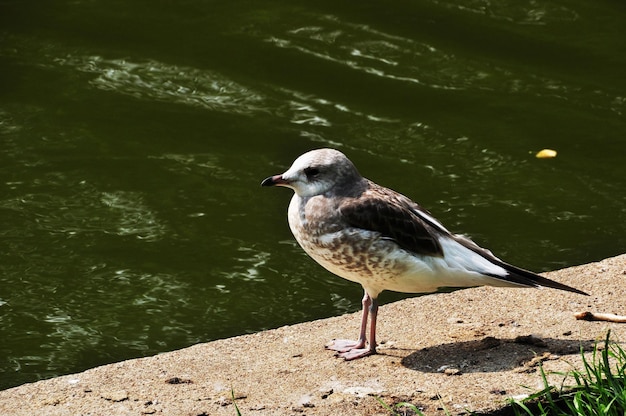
(546, 154)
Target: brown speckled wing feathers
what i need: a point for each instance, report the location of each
(394, 216)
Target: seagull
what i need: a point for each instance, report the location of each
(372, 235)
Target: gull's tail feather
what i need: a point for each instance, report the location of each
(528, 278)
(514, 274)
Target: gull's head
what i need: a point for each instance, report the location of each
(318, 172)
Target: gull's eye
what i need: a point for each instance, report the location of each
(311, 172)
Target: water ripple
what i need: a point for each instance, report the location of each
(528, 12)
(134, 217)
(366, 49)
(151, 80)
(86, 210)
(158, 81)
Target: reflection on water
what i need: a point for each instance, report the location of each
(131, 217)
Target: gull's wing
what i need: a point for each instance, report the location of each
(398, 218)
(394, 216)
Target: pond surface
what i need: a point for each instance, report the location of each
(134, 136)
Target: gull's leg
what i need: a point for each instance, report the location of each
(374, 315)
(363, 351)
(344, 345)
(351, 350)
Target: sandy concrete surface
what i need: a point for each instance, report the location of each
(467, 350)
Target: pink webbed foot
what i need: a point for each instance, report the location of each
(355, 353)
(343, 345)
(350, 350)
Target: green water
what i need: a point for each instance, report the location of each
(134, 136)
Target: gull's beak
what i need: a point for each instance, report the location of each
(274, 180)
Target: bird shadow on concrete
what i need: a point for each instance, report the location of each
(490, 354)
